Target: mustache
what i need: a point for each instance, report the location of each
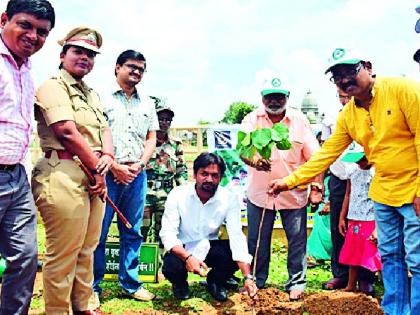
(346, 85)
(208, 183)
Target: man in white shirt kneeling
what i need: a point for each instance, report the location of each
(193, 216)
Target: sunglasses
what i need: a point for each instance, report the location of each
(348, 73)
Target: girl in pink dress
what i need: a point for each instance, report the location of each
(360, 248)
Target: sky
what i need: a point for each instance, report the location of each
(204, 55)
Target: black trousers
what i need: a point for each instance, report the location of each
(219, 259)
(337, 189)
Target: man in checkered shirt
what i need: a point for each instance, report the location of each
(133, 122)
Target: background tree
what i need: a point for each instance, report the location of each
(203, 122)
(236, 112)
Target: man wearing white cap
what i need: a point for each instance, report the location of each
(382, 116)
(292, 205)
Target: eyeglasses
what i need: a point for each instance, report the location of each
(348, 73)
(134, 68)
(276, 97)
(165, 120)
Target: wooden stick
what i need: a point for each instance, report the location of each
(254, 267)
(107, 199)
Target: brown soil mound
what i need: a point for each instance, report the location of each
(274, 301)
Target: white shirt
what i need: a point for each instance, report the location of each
(338, 168)
(186, 219)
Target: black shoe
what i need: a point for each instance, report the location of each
(217, 291)
(181, 291)
(232, 283)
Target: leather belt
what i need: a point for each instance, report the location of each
(7, 167)
(65, 155)
(62, 154)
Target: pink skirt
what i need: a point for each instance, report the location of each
(358, 250)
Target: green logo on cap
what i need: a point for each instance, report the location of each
(338, 53)
(276, 82)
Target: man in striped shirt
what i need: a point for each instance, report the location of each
(25, 26)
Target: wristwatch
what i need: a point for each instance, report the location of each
(142, 165)
(249, 277)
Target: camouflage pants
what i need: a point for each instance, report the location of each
(152, 220)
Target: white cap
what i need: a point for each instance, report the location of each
(274, 85)
(353, 153)
(342, 56)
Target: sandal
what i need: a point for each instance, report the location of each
(295, 295)
(334, 284)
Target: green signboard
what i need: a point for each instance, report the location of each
(148, 261)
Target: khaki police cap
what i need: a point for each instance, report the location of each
(161, 107)
(83, 37)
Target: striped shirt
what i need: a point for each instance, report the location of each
(17, 97)
(130, 120)
(283, 162)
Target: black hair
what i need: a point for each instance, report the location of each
(416, 56)
(362, 159)
(63, 51)
(206, 158)
(41, 9)
(130, 54)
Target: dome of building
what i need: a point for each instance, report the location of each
(309, 104)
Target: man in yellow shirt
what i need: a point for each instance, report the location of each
(382, 116)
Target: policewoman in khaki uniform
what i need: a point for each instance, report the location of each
(71, 123)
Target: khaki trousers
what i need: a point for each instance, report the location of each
(73, 225)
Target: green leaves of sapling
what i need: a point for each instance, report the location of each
(263, 140)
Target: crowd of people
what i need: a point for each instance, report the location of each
(118, 146)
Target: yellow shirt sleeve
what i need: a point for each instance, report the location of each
(319, 162)
(409, 95)
(53, 98)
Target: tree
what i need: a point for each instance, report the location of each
(203, 122)
(236, 112)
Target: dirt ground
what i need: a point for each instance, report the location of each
(271, 301)
(274, 301)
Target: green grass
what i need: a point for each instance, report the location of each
(113, 300)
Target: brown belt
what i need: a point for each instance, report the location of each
(65, 155)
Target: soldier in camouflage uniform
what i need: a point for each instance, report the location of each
(165, 169)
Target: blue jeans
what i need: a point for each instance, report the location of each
(130, 200)
(18, 243)
(399, 246)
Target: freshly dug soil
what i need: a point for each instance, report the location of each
(274, 301)
(270, 301)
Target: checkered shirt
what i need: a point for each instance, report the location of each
(130, 120)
